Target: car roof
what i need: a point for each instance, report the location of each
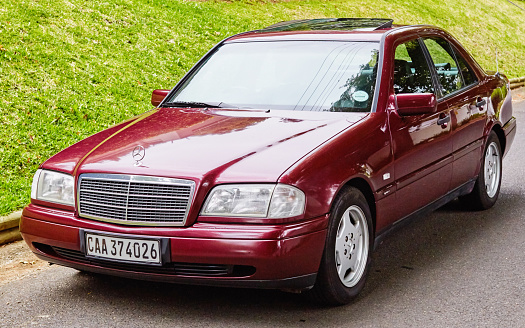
(329, 29)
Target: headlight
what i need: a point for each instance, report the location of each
(54, 187)
(255, 200)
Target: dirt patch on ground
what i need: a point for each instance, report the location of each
(17, 261)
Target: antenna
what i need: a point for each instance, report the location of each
(497, 64)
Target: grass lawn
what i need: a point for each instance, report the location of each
(71, 68)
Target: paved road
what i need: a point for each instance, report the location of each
(453, 268)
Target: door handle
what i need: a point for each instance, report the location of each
(480, 102)
(443, 120)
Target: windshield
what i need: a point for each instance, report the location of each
(286, 75)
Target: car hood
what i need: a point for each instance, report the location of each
(230, 145)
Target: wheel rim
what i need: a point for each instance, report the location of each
(351, 246)
(492, 169)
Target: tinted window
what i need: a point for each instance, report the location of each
(292, 75)
(448, 74)
(411, 72)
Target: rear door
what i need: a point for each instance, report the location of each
(460, 89)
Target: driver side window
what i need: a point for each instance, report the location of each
(411, 72)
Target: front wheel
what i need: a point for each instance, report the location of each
(346, 256)
(486, 189)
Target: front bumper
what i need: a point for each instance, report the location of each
(255, 256)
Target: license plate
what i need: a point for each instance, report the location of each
(123, 249)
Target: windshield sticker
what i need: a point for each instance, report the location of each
(360, 96)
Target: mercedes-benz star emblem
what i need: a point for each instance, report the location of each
(138, 154)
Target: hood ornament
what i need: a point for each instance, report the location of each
(138, 154)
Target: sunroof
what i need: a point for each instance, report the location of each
(343, 24)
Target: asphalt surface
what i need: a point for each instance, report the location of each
(453, 268)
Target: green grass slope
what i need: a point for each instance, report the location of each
(71, 68)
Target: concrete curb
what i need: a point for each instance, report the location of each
(9, 228)
(517, 82)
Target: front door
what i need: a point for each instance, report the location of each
(422, 145)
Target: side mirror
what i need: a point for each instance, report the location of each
(415, 103)
(157, 96)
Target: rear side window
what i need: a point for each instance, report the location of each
(452, 70)
(411, 72)
(468, 75)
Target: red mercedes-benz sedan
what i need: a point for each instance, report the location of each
(279, 161)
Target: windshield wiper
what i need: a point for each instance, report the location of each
(196, 104)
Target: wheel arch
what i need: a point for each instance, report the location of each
(363, 186)
(501, 137)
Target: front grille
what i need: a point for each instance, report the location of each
(136, 200)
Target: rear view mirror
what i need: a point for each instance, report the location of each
(415, 103)
(157, 96)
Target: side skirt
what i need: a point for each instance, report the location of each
(465, 189)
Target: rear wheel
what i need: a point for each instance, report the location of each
(486, 189)
(346, 256)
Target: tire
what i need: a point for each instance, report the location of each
(346, 256)
(488, 183)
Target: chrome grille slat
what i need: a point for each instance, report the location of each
(134, 200)
(160, 196)
(98, 204)
(109, 192)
